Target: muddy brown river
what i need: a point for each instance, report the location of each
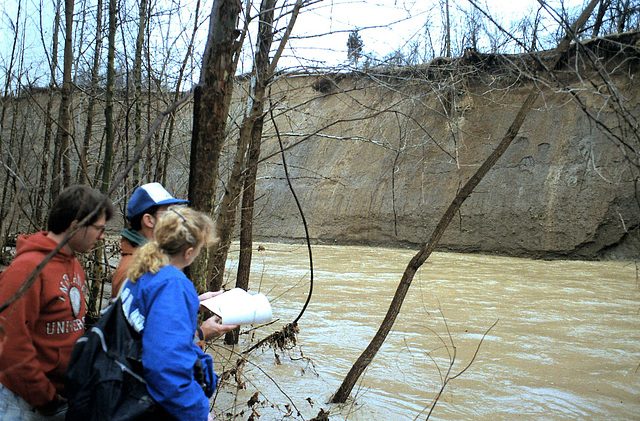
(565, 341)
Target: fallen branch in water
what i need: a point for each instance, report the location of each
(282, 339)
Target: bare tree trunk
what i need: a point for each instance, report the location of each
(447, 36)
(623, 16)
(227, 214)
(83, 173)
(4, 211)
(164, 152)
(56, 168)
(108, 109)
(137, 82)
(64, 120)
(369, 353)
(534, 31)
(9, 192)
(97, 274)
(602, 9)
(262, 74)
(246, 218)
(9, 70)
(155, 145)
(248, 205)
(44, 183)
(212, 99)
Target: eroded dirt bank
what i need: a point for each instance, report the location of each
(376, 157)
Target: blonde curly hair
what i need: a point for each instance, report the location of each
(179, 228)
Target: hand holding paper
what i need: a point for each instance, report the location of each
(238, 307)
(213, 328)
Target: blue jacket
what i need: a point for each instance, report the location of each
(163, 308)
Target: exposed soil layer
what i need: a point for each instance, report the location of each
(375, 157)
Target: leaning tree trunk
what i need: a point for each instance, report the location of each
(212, 99)
(245, 165)
(602, 9)
(369, 353)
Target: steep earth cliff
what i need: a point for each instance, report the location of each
(375, 157)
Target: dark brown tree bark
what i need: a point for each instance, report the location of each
(248, 206)
(212, 99)
(369, 353)
(108, 109)
(261, 75)
(233, 191)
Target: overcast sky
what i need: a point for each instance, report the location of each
(388, 25)
(385, 26)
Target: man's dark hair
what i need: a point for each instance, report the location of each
(74, 204)
(136, 221)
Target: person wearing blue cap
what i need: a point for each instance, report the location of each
(146, 205)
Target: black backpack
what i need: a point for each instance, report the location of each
(104, 379)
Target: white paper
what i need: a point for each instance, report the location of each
(238, 307)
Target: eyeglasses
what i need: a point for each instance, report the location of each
(101, 228)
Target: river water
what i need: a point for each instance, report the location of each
(552, 340)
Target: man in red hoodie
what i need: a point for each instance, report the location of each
(39, 330)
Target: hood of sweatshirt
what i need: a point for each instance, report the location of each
(39, 242)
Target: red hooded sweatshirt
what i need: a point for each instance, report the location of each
(42, 327)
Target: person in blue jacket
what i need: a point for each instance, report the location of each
(161, 303)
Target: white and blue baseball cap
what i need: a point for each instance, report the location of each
(148, 195)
